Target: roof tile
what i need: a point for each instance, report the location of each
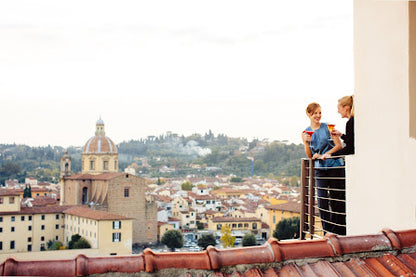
(374, 255)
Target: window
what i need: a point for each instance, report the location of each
(42, 227)
(11, 200)
(56, 237)
(57, 226)
(1, 245)
(116, 237)
(42, 238)
(42, 247)
(116, 224)
(57, 216)
(240, 225)
(1, 219)
(274, 219)
(219, 226)
(12, 219)
(42, 217)
(29, 218)
(1, 229)
(12, 244)
(105, 165)
(29, 228)
(1, 200)
(22, 218)
(126, 192)
(29, 239)
(29, 248)
(234, 225)
(12, 229)
(91, 165)
(254, 226)
(245, 225)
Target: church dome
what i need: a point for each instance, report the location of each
(99, 143)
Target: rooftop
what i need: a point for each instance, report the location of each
(93, 214)
(103, 176)
(386, 254)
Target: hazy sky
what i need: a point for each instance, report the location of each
(245, 68)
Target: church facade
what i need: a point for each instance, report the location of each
(103, 188)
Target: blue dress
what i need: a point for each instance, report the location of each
(321, 143)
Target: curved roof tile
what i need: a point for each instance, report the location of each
(387, 254)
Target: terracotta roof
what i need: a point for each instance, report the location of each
(38, 210)
(99, 144)
(103, 176)
(44, 201)
(93, 214)
(233, 219)
(292, 206)
(9, 192)
(386, 254)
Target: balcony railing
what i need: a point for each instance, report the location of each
(331, 213)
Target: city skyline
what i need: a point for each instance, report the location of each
(239, 68)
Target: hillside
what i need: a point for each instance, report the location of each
(167, 155)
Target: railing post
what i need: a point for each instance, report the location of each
(304, 199)
(311, 198)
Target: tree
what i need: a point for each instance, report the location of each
(173, 239)
(226, 238)
(287, 228)
(54, 245)
(74, 239)
(249, 240)
(205, 240)
(81, 244)
(200, 225)
(187, 186)
(236, 180)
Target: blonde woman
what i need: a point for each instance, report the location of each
(346, 110)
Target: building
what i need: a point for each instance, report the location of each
(103, 188)
(252, 225)
(110, 233)
(162, 228)
(27, 228)
(99, 154)
(282, 211)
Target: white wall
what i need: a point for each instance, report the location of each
(381, 177)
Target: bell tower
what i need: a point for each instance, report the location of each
(65, 165)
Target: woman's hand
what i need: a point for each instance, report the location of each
(336, 133)
(325, 156)
(316, 156)
(306, 138)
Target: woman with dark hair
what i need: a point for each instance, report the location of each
(319, 146)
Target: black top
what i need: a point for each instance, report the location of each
(348, 138)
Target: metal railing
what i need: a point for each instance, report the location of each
(323, 206)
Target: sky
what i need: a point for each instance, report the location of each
(244, 68)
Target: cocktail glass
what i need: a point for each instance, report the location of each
(309, 133)
(330, 128)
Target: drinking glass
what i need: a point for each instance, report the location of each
(331, 127)
(309, 133)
